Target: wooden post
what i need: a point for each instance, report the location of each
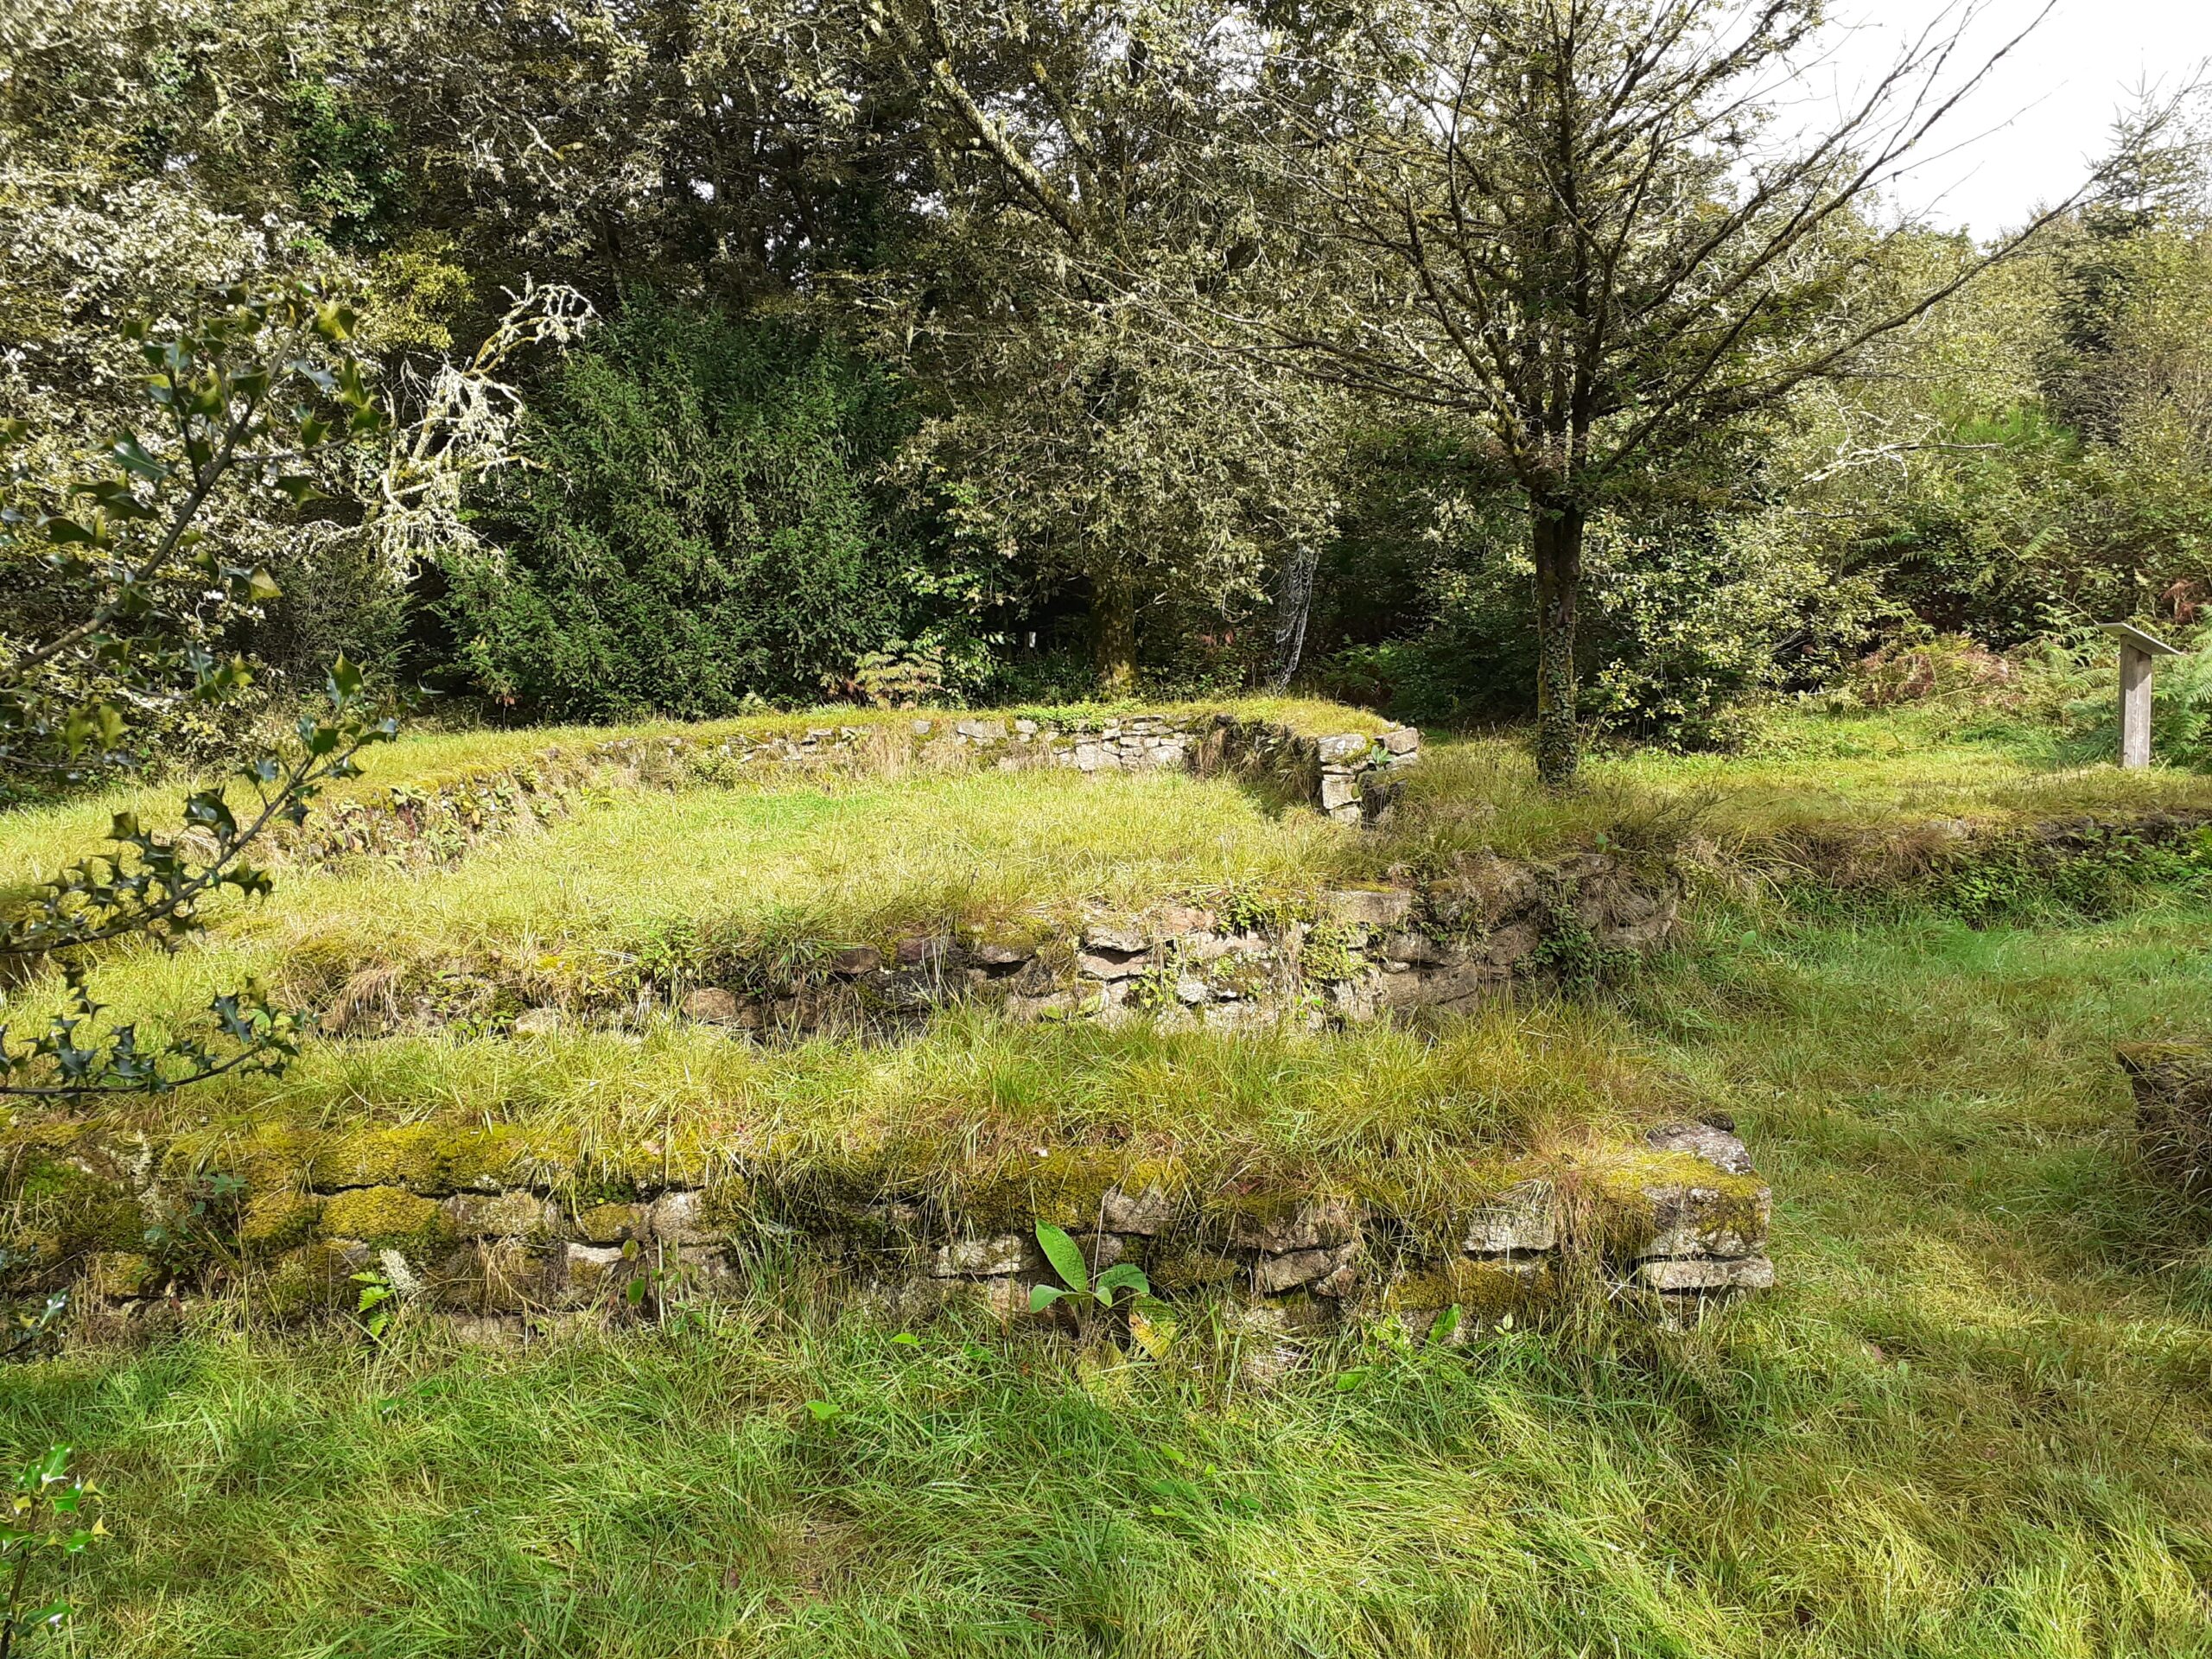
(2137, 648)
(2134, 704)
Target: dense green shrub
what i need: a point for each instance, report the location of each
(1683, 617)
(701, 523)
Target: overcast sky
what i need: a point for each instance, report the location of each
(2043, 117)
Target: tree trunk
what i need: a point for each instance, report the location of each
(1557, 543)
(1114, 622)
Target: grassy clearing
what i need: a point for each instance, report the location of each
(1810, 776)
(34, 841)
(1975, 1420)
(768, 871)
(758, 871)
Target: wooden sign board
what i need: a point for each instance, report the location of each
(2137, 649)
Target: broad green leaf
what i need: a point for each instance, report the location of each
(1067, 1261)
(1122, 1275)
(131, 456)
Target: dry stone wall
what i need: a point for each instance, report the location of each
(486, 1225)
(1351, 776)
(1346, 956)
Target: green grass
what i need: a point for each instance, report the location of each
(1810, 776)
(754, 871)
(34, 841)
(1975, 1420)
(765, 869)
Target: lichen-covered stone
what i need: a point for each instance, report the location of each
(594, 1272)
(1706, 1276)
(979, 1258)
(684, 1219)
(1272, 1274)
(1118, 940)
(312, 1278)
(710, 1005)
(1275, 1225)
(1146, 1213)
(1521, 1218)
(1714, 1142)
(1367, 907)
(502, 1215)
(1109, 965)
(610, 1223)
(1658, 1204)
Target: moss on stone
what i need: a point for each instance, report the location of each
(279, 1221)
(1634, 1189)
(610, 1223)
(117, 1275)
(1483, 1290)
(314, 1278)
(412, 1155)
(1067, 1187)
(1189, 1268)
(57, 1200)
(267, 1157)
(387, 1217)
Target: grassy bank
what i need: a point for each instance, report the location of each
(1976, 1419)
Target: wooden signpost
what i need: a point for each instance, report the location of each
(2137, 648)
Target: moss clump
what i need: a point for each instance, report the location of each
(268, 1158)
(387, 1217)
(610, 1223)
(1332, 954)
(1640, 1193)
(275, 1222)
(1484, 1290)
(1067, 1187)
(311, 1279)
(413, 1155)
(71, 1209)
(117, 1275)
(1191, 1268)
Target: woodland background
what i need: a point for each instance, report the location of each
(728, 367)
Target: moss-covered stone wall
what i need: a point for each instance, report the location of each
(492, 1223)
